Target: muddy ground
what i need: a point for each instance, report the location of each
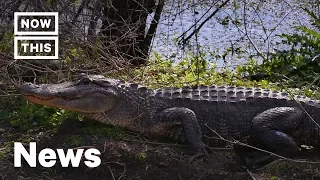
(134, 157)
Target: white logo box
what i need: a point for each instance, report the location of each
(38, 33)
(17, 38)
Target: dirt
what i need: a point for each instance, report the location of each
(138, 158)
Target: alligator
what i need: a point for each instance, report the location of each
(272, 120)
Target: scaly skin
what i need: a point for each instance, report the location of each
(268, 119)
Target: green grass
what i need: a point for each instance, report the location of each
(105, 131)
(75, 140)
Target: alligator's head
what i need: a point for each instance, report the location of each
(88, 95)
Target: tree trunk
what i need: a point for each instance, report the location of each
(123, 29)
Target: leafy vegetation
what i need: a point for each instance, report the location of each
(192, 71)
(75, 140)
(298, 66)
(141, 156)
(106, 131)
(27, 115)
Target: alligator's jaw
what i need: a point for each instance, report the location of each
(40, 100)
(83, 99)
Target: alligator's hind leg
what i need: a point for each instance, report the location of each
(170, 118)
(272, 129)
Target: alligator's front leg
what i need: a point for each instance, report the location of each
(271, 131)
(170, 121)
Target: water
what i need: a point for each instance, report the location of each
(264, 21)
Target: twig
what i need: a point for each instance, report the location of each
(10, 95)
(183, 41)
(48, 177)
(315, 57)
(104, 146)
(184, 33)
(262, 150)
(121, 164)
(81, 7)
(168, 144)
(249, 38)
(124, 171)
(111, 173)
(83, 147)
(251, 175)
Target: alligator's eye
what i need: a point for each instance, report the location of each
(85, 80)
(104, 83)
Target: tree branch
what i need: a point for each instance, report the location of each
(183, 41)
(153, 26)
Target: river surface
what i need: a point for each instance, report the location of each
(258, 24)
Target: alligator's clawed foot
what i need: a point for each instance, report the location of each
(201, 152)
(261, 161)
(252, 159)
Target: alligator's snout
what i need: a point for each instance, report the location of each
(29, 84)
(72, 96)
(33, 91)
(29, 88)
